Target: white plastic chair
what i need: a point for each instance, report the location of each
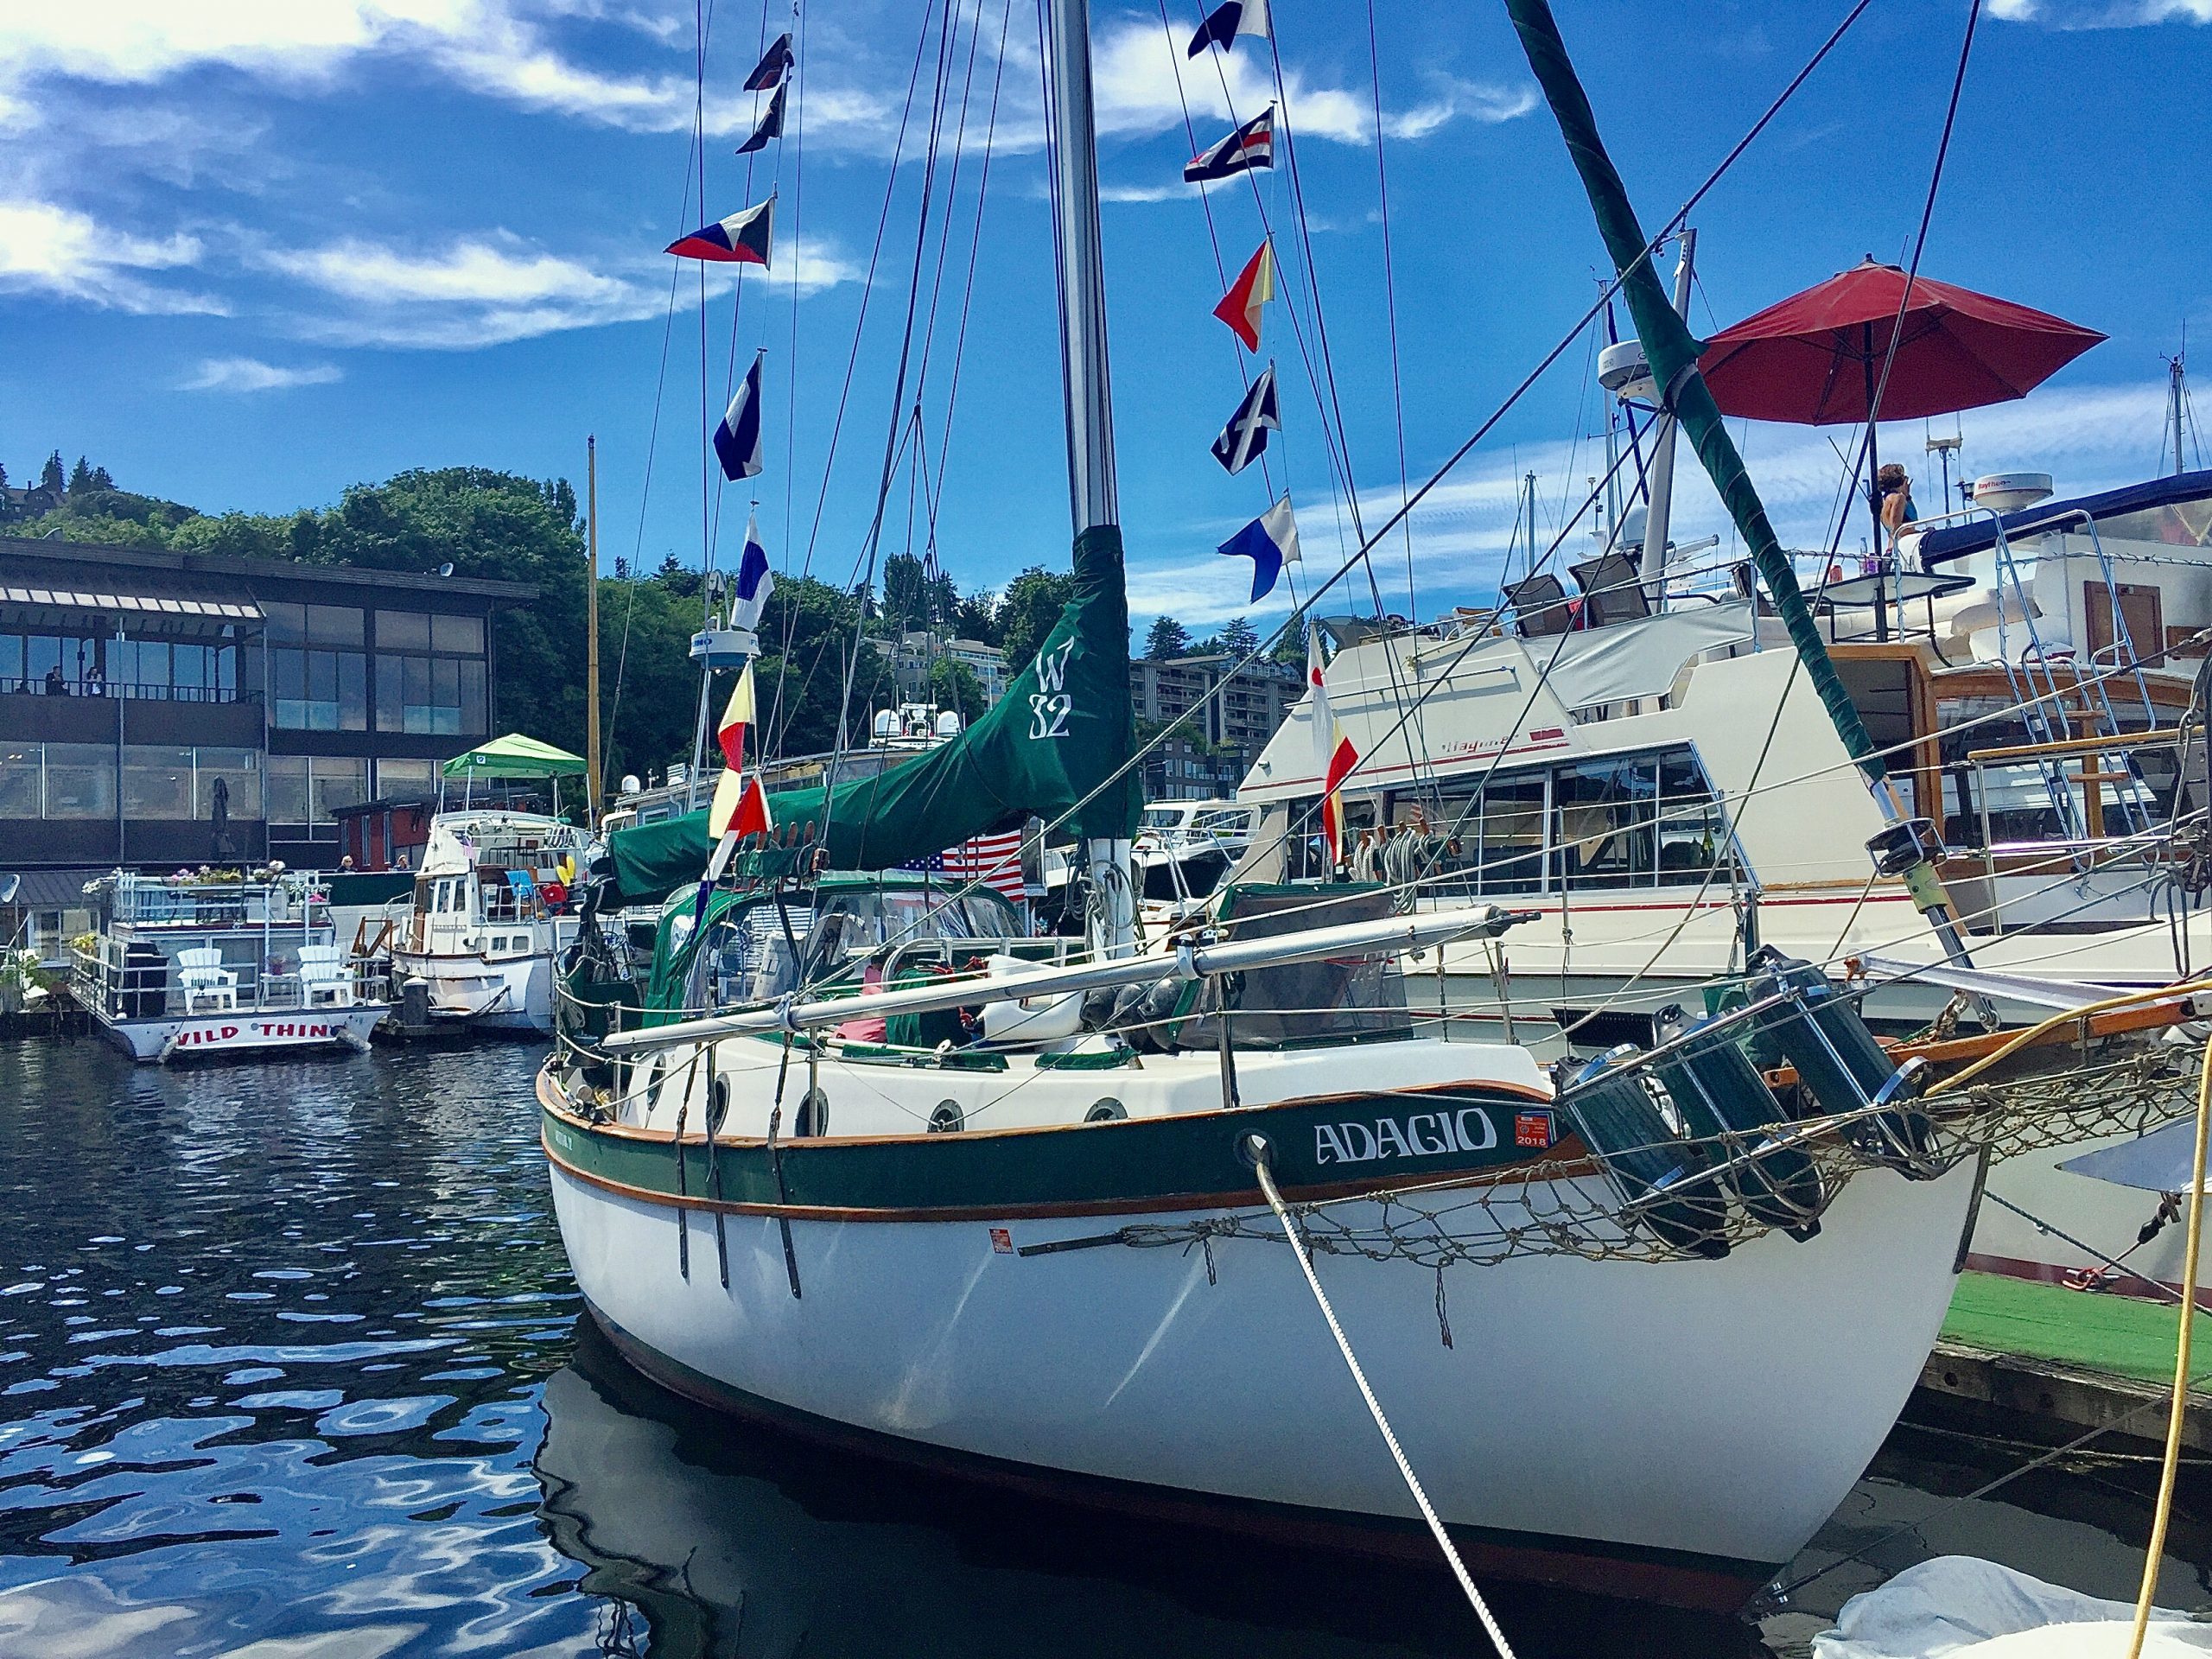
(202, 977)
(324, 976)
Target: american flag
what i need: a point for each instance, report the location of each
(996, 861)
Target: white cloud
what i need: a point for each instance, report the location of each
(1454, 98)
(1142, 83)
(476, 291)
(2101, 14)
(504, 50)
(58, 252)
(492, 288)
(250, 374)
(1141, 192)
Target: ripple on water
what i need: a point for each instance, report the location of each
(144, 1513)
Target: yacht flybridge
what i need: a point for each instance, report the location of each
(858, 1158)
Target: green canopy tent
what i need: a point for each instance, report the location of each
(514, 756)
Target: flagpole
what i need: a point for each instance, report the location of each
(591, 632)
(1091, 493)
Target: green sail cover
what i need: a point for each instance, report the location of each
(1058, 735)
(1672, 352)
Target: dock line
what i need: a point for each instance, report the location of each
(2156, 1550)
(1254, 1148)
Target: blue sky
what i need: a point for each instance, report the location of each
(254, 251)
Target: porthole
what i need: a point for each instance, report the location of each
(947, 1119)
(813, 1116)
(1108, 1110)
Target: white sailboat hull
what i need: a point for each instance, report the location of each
(1676, 1430)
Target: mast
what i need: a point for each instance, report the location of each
(1906, 847)
(2176, 402)
(1661, 509)
(1092, 502)
(591, 632)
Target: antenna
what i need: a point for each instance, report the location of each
(1944, 448)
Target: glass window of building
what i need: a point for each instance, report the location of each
(320, 691)
(403, 631)
(460, 634)
(287, 624)
(399, 780)
(79, 781)
(12, 661)
(19, 772)
(334, 782)
(287, 781)
(157, 782)
(238, 771)
(42, 658)
(334, 625)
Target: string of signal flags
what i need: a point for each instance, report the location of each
(1271, 540)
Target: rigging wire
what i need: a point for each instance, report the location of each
(947, 31)
(1482, 429)
(1390, 299)
(773, 732)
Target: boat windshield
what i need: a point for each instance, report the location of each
(758, 951)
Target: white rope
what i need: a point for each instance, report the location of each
(1375, 1409)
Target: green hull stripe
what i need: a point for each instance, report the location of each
(1132, 1165)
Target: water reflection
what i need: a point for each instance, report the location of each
(738, 1544)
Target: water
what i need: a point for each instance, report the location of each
(290, 1365)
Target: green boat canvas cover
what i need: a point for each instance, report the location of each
(1056, 745)
(515, 756)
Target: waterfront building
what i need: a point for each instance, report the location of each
(160, 709)
(919, 650)
(1231, 727)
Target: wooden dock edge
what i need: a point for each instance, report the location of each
(2050, 1401)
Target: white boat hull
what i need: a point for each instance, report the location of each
(241, 1034)
(1675, 1430)
(496, 994)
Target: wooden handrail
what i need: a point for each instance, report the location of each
(2074, 745)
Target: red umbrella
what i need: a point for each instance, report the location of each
(1814, 359)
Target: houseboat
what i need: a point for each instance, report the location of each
(205, 965)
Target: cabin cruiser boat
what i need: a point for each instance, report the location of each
(490, 913)
(190, 965)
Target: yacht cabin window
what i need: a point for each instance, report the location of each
(1631, 822)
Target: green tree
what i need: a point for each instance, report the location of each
(1032, 604)
(101, 478)
(49, 476)
(80, 477)
(905, 592)
(975, 616)
(1290, 647)
(953, 685)
(4, 478)
(1166, 639)
(1240, 637)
